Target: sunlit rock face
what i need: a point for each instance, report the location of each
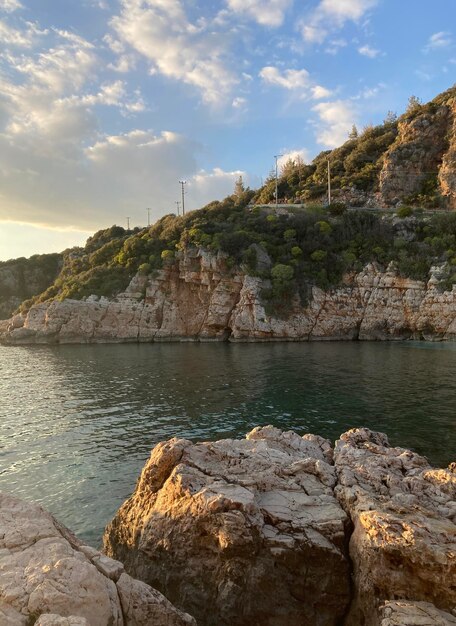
(199, 298)
(240, 532)
(413, 614)
(404, 513)
(257, 531)
(49, 578)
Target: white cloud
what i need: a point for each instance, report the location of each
(331, 15)
(335, 45)
(206, 186)
(437, 41)
(264, 12)
(24, 38)
(10, 5)
(336, 120)
(293, 155)
(192, 53)
(368, 51)
(297, 81)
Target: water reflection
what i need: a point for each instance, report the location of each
(78, 422)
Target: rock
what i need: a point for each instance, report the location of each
(403, 512)
(50, 619)
(46, 577)
(239, 532)
(200, 298)
(145, 606)
(414, 614)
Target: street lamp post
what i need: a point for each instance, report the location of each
(148, 217)
(128, 223)
(177, 203)
(277, 156)
(182, 183)
(329, 183)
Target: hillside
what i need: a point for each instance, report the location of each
(23, 278)
(410, 159)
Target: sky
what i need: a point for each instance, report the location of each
(105, 105)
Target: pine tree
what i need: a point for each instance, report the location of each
(353, 134)
(391, 118)
(414, 103)
(239, 188)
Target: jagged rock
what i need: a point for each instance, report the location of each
(414, 614)
(417, 150)
(199, 298)
(47, 578)
(239, 532)
(404, 513)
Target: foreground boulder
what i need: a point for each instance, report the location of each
(240, 532)
(257, 531)
(404, 513)
(49, 578)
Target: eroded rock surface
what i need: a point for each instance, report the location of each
(200, 298)
(254, 531)
(414, 614)
(404, 513)
(49, 578)
(240, 532)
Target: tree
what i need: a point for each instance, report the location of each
(239, 188)
(414, 103)
(391, 118)
(353, 134)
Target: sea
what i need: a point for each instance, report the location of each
(78, 422)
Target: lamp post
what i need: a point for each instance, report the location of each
(182, 183)
(128, 223)
(277, 156)
(329, 183)
(148, 217)
(177, 203)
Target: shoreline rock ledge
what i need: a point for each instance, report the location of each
(48, 577)
(277, 529)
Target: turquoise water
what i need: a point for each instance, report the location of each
(78, 422)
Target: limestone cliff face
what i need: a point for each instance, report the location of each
(200, 298)
(447, 173)
(416, 155)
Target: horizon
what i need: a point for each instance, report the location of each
(106, 106)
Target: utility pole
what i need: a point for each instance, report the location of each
(177, 203)
(329, 183)
(182, 183)
(148, 217)
(277, 156)
(128, 223)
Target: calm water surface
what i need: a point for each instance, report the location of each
(77, 423)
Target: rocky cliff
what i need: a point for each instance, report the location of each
(200, 298)
(278, 529)
(21, 279)
(409, 160)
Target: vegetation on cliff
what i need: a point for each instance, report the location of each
(23, 278)
(292, 252)
(359, 165)
(302, 247)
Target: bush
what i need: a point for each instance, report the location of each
(404, 211)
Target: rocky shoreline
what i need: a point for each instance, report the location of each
(272, 530)
(198, 298)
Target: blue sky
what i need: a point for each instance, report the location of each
(106, 104)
